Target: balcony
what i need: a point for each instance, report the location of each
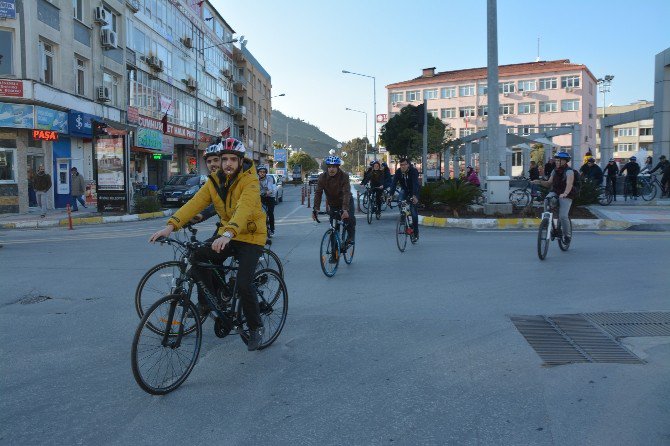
(240, 85)
(238, 55)
(240, 113)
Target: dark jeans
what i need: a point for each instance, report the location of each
(351, 222)
(611, 181)
(632, 184)
(247, 257)
(269, 205)
(377, 194)
(74, 199)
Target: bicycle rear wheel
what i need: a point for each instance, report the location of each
(647, 190)
(520, 198)
(542, 239)
(270, 260)
(561, 243)
(162, 362)
(401, 233)
(273, 304)
(604, 195)
(371, 210)
(330, 253)
(348, 251)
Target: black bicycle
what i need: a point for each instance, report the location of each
(550, 229)
(649, 185)
(404, 228)
(162, 279)
(374, 208)
(334, 245)
(167, 341)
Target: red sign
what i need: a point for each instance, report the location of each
(172, 130)
(45, 135)
(11, 88)
(382, 117)
(133, 115)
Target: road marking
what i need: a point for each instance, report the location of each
(69, 238)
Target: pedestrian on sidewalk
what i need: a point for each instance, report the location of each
(42, 184)
(612, 170)
(77, 189)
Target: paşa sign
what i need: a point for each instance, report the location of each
(45, 135)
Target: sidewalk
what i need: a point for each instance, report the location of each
(58, 217)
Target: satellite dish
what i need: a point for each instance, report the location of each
(332, 151)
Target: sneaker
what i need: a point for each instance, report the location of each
(255, 339)
(566, 239)
(43, 215)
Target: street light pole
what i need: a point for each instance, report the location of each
(374, 99)
(604, 87)
(367, 141)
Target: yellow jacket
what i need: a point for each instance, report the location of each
(241, 214)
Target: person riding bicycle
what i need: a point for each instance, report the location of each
(268, 195)
(235, 193)
(561, 180)
(664, 166)
(632, 169)
(612, 170)
(408, 179)
(212, 158)
(592, 172)
(376, 179)
(335, 184)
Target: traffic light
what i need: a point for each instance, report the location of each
(98, 128)
(165, 124)
(419, 114)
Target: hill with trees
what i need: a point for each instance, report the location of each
(301, 134)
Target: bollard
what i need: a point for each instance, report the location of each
(302, 193)
(69, 216)
(358, 201)
(309, 197)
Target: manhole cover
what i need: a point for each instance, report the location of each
(623, 325)
(571, 338)
(33, 300)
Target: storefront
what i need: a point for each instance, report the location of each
(81, 148)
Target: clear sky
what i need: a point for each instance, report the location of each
(305, 45)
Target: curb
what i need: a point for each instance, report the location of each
(516, 223)
(80, 221)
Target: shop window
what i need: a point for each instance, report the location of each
(8, 165)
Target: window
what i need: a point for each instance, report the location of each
(466, 90)
(591, 88)
(8, 166)
(547, 127)
(590, 110)
(568, 124)
(483, 110)
(524, 129)
(80, 80)
(465, 112)
(447, 92)
(646, 131)
(482, 89)
(433, 112)
(447, 113)
(397, 97)
(430, 94)
(6, 52)
(626, 131)
(517, 158)
(627, 147)
(526, 108)
(569, 81)
(570, 105)
(527, 85)
(48, 56)
(548, 107)
(465, 132)
(506, 109)
(506, 87)
(548, 83)
(78, 9)
(414, 95)
(112, 83)
(113, 22)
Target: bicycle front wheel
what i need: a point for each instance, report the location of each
(543, 239)
(162, 362)
(604, 196)
(330, 253)
(647, 190)
(520, 198)
(401, 233)
(270, 260)
(272, 298)
(365, 202)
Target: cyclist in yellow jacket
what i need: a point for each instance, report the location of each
(234, 192)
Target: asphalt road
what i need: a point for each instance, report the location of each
(397, 348)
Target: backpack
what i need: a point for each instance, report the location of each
(577, 182)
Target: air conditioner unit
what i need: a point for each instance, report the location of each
(109, 38)
(226, 72)
(505, 117)
(505, 94)
(187, 41)
(190, 83)
(134, 5)
(219, 103)
(103, 94)
(485, 118)
(155, 63)
(100, 16)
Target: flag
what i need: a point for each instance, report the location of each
(165, 123)
(466, 122)
(226, 133)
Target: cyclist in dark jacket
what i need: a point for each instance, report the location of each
(612, 170)
(408, 179)
(632, 169)
(592, 172)
(376, 179)
(664, 166)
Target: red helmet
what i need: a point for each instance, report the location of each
(234, 146)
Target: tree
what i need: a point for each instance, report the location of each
(308, 163)
(402, 135)
(355, 150)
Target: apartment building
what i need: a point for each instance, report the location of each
(632, 138)
(128, 63)
(534, 96)
(252, 104)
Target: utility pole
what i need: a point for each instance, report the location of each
(494, 143)
(424, 155)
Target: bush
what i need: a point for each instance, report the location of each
(428, 195)
(588, 194)
(146, 204)
(457, 194)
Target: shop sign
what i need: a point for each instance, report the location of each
(149, 139)
(18, 116)
(280, 155)
(80, 123)
(133, 115)
(45, 135)
(167, 105)
(172, 129)
(48, 119)
(8, 9)
(11, 88)
(168, 144)
(383, 117)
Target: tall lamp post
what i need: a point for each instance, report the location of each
(365, 160)
(604, 87)
(374, 99)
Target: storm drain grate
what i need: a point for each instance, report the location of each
(33, 299)
(571, 338)
(622, 325)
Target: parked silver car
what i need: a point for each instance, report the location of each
(280, 187)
